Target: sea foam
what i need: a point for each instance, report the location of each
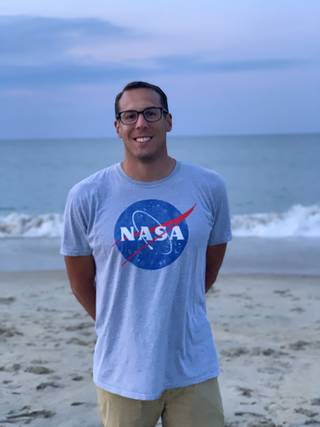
(298, 221)
(22, 225)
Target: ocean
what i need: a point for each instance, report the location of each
(273, 181)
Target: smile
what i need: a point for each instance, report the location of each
(143, 138)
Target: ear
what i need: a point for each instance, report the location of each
(168, 122)
(117, 127)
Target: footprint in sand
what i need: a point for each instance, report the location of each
(9, 331)
(306, 412)
(77, 378)
(50, 384)
(247, 392)
(298, 310)
(299, 345)
(80, 326)
(7, 301)
(13, 368)
(258, 419)
(235, 352)
(27, 415)
(258, 351)
(78, 341)
(283, 292)
(39, 370)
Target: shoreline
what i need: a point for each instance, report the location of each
(245, 255)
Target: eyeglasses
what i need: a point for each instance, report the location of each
(150, 114)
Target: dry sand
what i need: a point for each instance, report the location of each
(267, 330)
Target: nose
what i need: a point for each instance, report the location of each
(141, 121)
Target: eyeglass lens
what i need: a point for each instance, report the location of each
(150, 115)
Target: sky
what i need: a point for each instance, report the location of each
(228, 67)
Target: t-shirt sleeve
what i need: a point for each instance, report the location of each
(221, 229)
(74, 240)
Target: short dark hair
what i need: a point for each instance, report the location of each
(139, 85)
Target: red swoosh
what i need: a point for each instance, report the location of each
(170, 223)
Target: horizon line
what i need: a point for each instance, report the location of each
(215, 135)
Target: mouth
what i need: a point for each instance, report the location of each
(142, 139)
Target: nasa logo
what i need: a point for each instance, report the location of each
(151, 233)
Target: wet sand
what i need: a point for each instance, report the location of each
(267, 329)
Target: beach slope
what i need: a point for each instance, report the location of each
(267, 329)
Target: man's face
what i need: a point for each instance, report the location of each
(143, 141)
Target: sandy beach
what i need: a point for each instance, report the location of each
(266, 324)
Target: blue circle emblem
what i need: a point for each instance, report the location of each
(151, 234)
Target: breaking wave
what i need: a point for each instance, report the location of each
(298, 221)
(22, 225)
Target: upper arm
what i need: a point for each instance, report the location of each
(75, 235)
(221, 224)
(80, 269)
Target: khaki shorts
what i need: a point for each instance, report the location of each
(198, 405)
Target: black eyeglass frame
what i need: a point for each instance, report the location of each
(162, 110)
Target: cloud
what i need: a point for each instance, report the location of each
(194, 63)
(38, 52)
(74, 74)
(61, 74)
(34, 38)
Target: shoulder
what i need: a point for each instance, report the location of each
(203, 176)
(91, 185)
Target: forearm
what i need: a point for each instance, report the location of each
(214, 259)
(81, 272)
(86, 295)
(211, 277)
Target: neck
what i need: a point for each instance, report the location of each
(148, 171)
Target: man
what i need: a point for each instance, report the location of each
(143, 241)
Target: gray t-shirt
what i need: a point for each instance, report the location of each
(149, 242)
